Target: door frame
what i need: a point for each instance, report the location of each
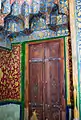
(27, 70)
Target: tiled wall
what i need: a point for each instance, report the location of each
(10, 112)
(10, 74)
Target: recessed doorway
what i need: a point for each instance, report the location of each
(45, 77)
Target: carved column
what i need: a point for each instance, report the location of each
(78, 40)
(74, 58)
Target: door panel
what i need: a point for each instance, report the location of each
(35, 88)
(62, 85)
(36, 51)
(46, 80)
(54, 49)
(52, 91)
(52, 113)
(54, 82)
(54, 102)
(51, 82)
(35, 80)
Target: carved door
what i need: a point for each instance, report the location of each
(46, 81)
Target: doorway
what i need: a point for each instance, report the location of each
(46, 88)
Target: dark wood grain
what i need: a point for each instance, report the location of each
(46, 80)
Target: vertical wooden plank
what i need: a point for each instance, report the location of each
(74, 56)
(36, 55)
(54, 80)
(62, 48)
(62, 78)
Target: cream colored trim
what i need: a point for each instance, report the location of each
(74, 55)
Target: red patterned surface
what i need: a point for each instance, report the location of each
(10, 74)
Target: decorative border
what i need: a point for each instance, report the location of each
(5, 44)
(67, 72)
(39, 35)
(23, 79)
(69, 79)
(21, 102)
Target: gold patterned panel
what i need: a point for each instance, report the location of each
(69, 79)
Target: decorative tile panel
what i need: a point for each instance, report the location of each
(10, 74)
(25, 9)
(38, 35)
(35, 6)
(63, 6)
(24, 18)
(38, 24)
(69, 79)
(6, 7)
(10, 112)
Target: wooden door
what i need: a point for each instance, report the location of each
(54, 102)
(36, 58)
(46, 81)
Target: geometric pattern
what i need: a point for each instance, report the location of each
(10, 74)
(69, 77)
(16, 20)
(64, 6)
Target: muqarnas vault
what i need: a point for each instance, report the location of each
(21, 22)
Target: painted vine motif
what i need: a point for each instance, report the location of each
(70, 69)
(10, 74)
(70, 99)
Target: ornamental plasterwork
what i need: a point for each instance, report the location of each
(22, 17)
